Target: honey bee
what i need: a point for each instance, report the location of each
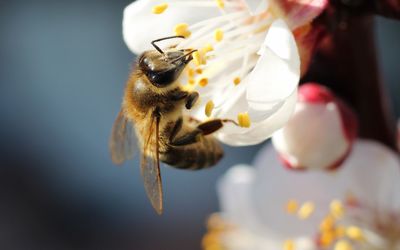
(152, 111)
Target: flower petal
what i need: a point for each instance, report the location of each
(235, 192)
(275, 186)
(268, 94)
(320, 133)
(276, 74)
(261, 131)
(256, 7)
(313, 138)
(138, 18)
(298, 12)
(373, 172)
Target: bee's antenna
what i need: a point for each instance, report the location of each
(185, 55)
(162, 39)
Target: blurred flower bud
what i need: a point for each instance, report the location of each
(320, 133)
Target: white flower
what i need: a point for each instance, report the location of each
(320, 133)
(255, 201)
(241, 41)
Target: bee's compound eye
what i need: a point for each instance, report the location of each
(163, 79)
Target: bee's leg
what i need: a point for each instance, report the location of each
(177, 127)
(178, 95)
(191, 99)
(202, 129)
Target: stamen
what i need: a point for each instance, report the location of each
(181, 29)
(220, 4)
(343, 245)
(354, 233)
(190, 72)
(207, 48)
(244, 120)
(236, 80)
(292, 206)
(203, 34)
(191, 81)
(326, 238)
(203, 81)
(218, 19)
(198, 58)
(199, 71)
(340, 231)
(306, 210)
(289, 245)
(158, 9)
(337, 209)
(327, 224)
(218, 35)
(209, 108)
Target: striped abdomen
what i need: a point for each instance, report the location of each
(205, 153)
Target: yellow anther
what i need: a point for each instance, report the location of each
(203, 81)
(191, 81)
(288, 245)
(220, 3)
(209, 108)
(190, 72)
(218, 35)
(343, 245)
(292, 206)
(158, 9)
(243, 120)
(306, 210)
(198, 58)
(327, 224)
(236, 80)
(327, 238)
(354, 233)
(337, 209)
(340, 231)
(199, 71)
(181, 29)
(208, 48)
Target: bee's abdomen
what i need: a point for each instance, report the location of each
(203, 154)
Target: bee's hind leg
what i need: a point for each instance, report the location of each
(202, 129)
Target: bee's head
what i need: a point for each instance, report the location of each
(162, 69)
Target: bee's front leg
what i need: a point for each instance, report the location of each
(191, 99)
(202, 129)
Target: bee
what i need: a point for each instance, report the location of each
(152, 114)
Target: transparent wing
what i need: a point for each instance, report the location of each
(150, 166)
(123, 142)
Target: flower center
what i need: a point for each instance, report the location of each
(227, 47)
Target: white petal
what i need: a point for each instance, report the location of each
(373, 173)
(261, 131)
(275, 185)
(268, 94)
(141, 26)
(256, 6)
(277, 72)
(313, 138)
(234, 190)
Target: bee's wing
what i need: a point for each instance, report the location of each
(123, 142)
(150, 166)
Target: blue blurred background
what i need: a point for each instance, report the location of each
(63, 67)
